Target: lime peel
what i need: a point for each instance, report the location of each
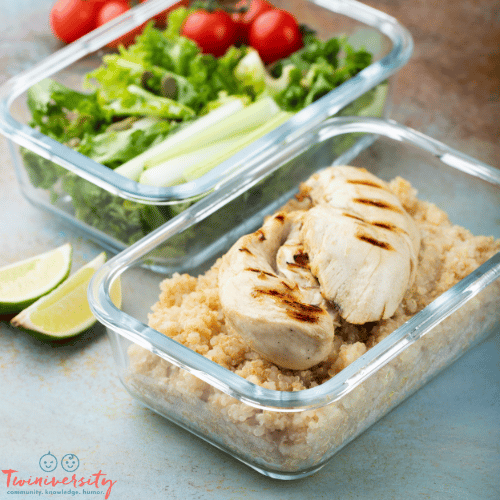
(24, 282)
(64, 312)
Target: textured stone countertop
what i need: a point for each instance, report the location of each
(441, 444)
(450, 89)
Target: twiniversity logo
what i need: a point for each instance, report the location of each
(94, 484)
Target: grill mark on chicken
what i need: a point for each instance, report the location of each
(301, 259)
(245, 249)
(306, 318)
(280, 217)
(378, 204)
(260, 234)
(308, 313)
(355, 217)
(363, 182)
(389, 227)
(262, 274)
(286, 285)
(384, 225)
(375, 242)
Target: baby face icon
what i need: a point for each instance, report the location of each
(70, 462)
(48, 462)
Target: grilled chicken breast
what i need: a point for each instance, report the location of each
(362, 244)
(273, 313)
(362, 268)
(352, 252)
(363, 193)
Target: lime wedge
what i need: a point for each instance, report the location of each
(65, 311)
(24, 282)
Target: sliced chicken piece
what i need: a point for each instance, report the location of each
(279, 317)
(365, 194)
(363, 269)
(362, 244)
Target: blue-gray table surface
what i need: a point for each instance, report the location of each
(443, 443)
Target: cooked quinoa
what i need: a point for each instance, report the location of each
(189, 310)
(294, 443)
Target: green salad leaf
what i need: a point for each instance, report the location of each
(62, 113)
(133, 100)
(124, 140)
(323, 65)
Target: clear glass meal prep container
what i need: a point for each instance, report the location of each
(225, 409)
(390, 43)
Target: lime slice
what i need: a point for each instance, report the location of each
(24, 282)
(65, 311)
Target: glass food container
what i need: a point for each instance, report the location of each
(291, 434)
(116, 211)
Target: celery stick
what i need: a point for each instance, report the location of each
(191, 165)
(133, 168)
(202, 167)
(171, 171)
(249, 118)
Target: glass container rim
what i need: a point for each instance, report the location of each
(375, 358)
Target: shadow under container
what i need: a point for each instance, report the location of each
(115, 211)
(288, 435)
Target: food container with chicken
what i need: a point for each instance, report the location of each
(337, 302)
(119, 142)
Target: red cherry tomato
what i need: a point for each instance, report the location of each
(109, 11)
(71, 19)
(275, 34)
(161, 18)
(244, 20)
(214, 32)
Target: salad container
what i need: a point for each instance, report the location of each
(291, 434)
(116, 211)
